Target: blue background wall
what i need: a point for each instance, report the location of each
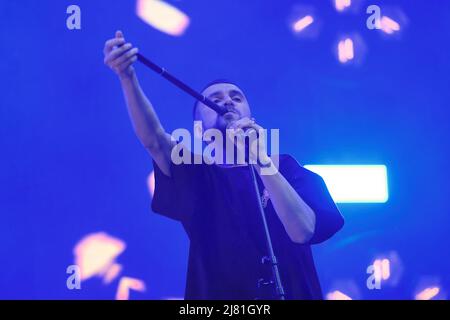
(71, 165)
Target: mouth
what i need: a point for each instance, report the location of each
(230, 115)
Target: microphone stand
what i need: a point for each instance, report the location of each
(271, 258)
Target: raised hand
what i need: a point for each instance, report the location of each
(120, 56)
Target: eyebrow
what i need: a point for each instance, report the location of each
(235, 92)
(214, 94)
(232, 92)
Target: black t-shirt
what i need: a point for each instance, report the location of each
(219, 211)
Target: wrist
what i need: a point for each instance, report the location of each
(128, 76)
(265, 162)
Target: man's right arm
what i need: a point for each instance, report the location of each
(120, 57)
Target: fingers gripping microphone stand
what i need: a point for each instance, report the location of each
(279, 291)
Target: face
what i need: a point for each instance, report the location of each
(229, 96)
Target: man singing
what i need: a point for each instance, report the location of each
(217, 205)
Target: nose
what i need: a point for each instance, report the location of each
(229, 104)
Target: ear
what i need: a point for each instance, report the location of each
(198, 129)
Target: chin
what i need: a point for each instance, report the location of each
(221, 124)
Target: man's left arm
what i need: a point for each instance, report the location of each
(298, 219)
(300, 198)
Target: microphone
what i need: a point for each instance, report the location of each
(162, 72)
(245, 133)
(180, 84)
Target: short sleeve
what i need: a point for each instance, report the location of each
(176, 196)
(313, 190)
